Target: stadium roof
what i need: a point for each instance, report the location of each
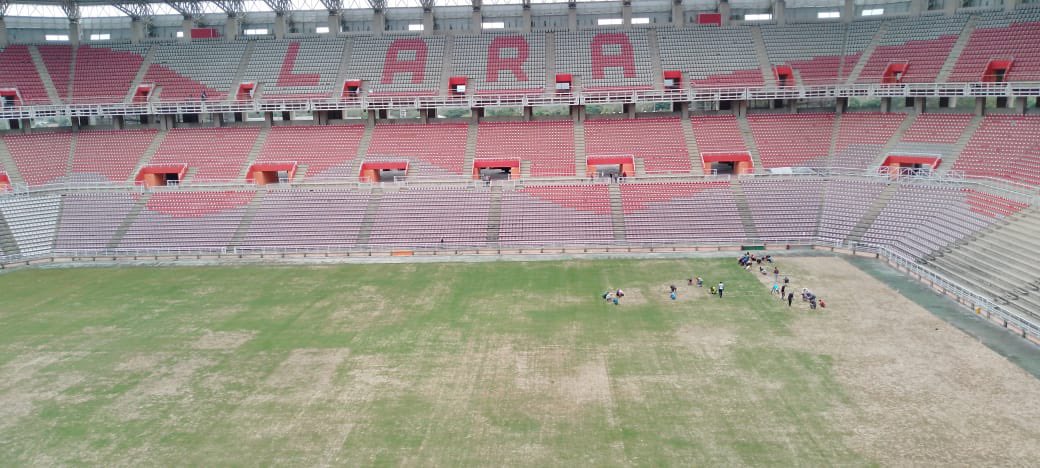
(76, 9)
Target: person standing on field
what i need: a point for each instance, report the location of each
(721, 287)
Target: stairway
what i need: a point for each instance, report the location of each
(370, 216)
(865, 56)
(45, 76)
(8, 245)
(72, 74)
(128, 221)
(146, 157)
(344, 66)
(639, 166)
(550, 63)
(955, 52)
(696, 164)
(749, 142)
(301, 173)
(247, 219)
(617, 212)
(856, 235)
(581, 162)
(896, 138)
(189, 176)
(254, 152)
(835, 130)
(655, 59)
(141, 72)
(354, 166)
(446, 67)
(243, 64)
(72, 155)
(745, 211)
(7, 165)
(763, 58)
(525, 169)
(958, 147)
(471, 147)
(494, 214)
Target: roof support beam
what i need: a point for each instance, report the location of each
(136, 10)
(187, 8)
(334, 6)
(377, 5)
(427, 5)
(3, 7)
(233, 8)
(71, 9)
(281, 7)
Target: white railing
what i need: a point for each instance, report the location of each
(979, 303)
(376, 102)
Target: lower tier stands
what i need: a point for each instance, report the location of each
(306, 219)
(431, 217)
(681, 212)
(845, 203)
(548, 146)
(546, 215)
(323, 151)
(792, 140)
(173, 221)
(90, 221)
(658, 142)
(784, 210)
(31, 222)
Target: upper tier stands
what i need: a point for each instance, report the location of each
(925, 42)
(1000, 35)
(398, 64)
(815, 54)
(501, 63)
(439, 149)
(58, 60)
(658, 142)
(711, 56)
(606, 60)
(718, 134)
(324, 151)
(184, 71)
(209, 153)
(18, 71)
(548, 146)
(791, 140)
(105, 75)
(298, 68)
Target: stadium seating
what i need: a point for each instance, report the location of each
(549, 146)
(398, 64)
(425, 217)
(718, 134)
(845, 202)
(18, 71)
(711, 56)
(605, 61)
(937, 128)
(556, 214)
(209, 153)
(1005, 147)
(41, 157)
(815, 54)
(58, 60)
(324, 151)
(1000, 35)
(105, 75)
(314, 219)
(681, 212)
(32, 222)
(490, 62)
(185, 71)
(861, 136)
(181, 220)
(109, 155)
(792, 140)
(658, 142)
(439, 149)
(925, 42)
(89, 221)
(784, 210)
(298, 68)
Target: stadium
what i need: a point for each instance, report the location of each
(382, 232)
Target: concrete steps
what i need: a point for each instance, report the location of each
(471, 147)
(141, 72)
(254, 153)
(856, 235)
(955, 52)
(8, 245)
(865, 56)
(639, 166)
(617, 212)
(243, 64)
(190, 175)
(696, 165)
(354, 166)
(72, 75)
(370, 216)
(446, 64)
(45, 76)
(146, 157)
(580, 156)
(655, 59)
(247, 219)
(763, 57)
(301, 172)
(8, 165)
(494, 214)
(746, 217)
(72, 154)
(749, 142)
(833, 148)
(525, 169)
(128, 221)
(892, 142)
(962, 142)
(550, 63)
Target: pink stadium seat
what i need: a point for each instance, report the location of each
(441, 147)
(718, 134)
(17, 70)
(544, 215)
(112, 154)
(58, 60)
(41, 157)
(791, 140)
(1005, 147)
(861, 136)
(324, 150)
(103, 75)
(215, 153)
(658, 142)
(549, 145)
(937, 128)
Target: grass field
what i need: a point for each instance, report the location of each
(457, 364)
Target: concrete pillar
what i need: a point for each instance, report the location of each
(740, 108)
(526, 20)
(678, 14)
(792, 105)
(950, 7)
(528, 113)
(476, 114)
(919, 103)
(3, 32)
(684, 109)
(724, 11)
(321, 118)
(572, 18)
(779, 8)
(1020, 105)
(334, 23)
(886, 104)
(476, 21)
(136, 31)
(848, 12)
(118, 122)
(578, 113)
(626, 13)
(217, 119)
(917, 7)
(1010, 5)
(427, 23)
(841, 105)
(186, 26)
(372, 117)
(378, 23)
(980, 106)
(231, 28)
(268, 119)
(74, 33)
(26, 124)
(629, 110)
(281, 26)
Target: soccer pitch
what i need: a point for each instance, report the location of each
(503, 363)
